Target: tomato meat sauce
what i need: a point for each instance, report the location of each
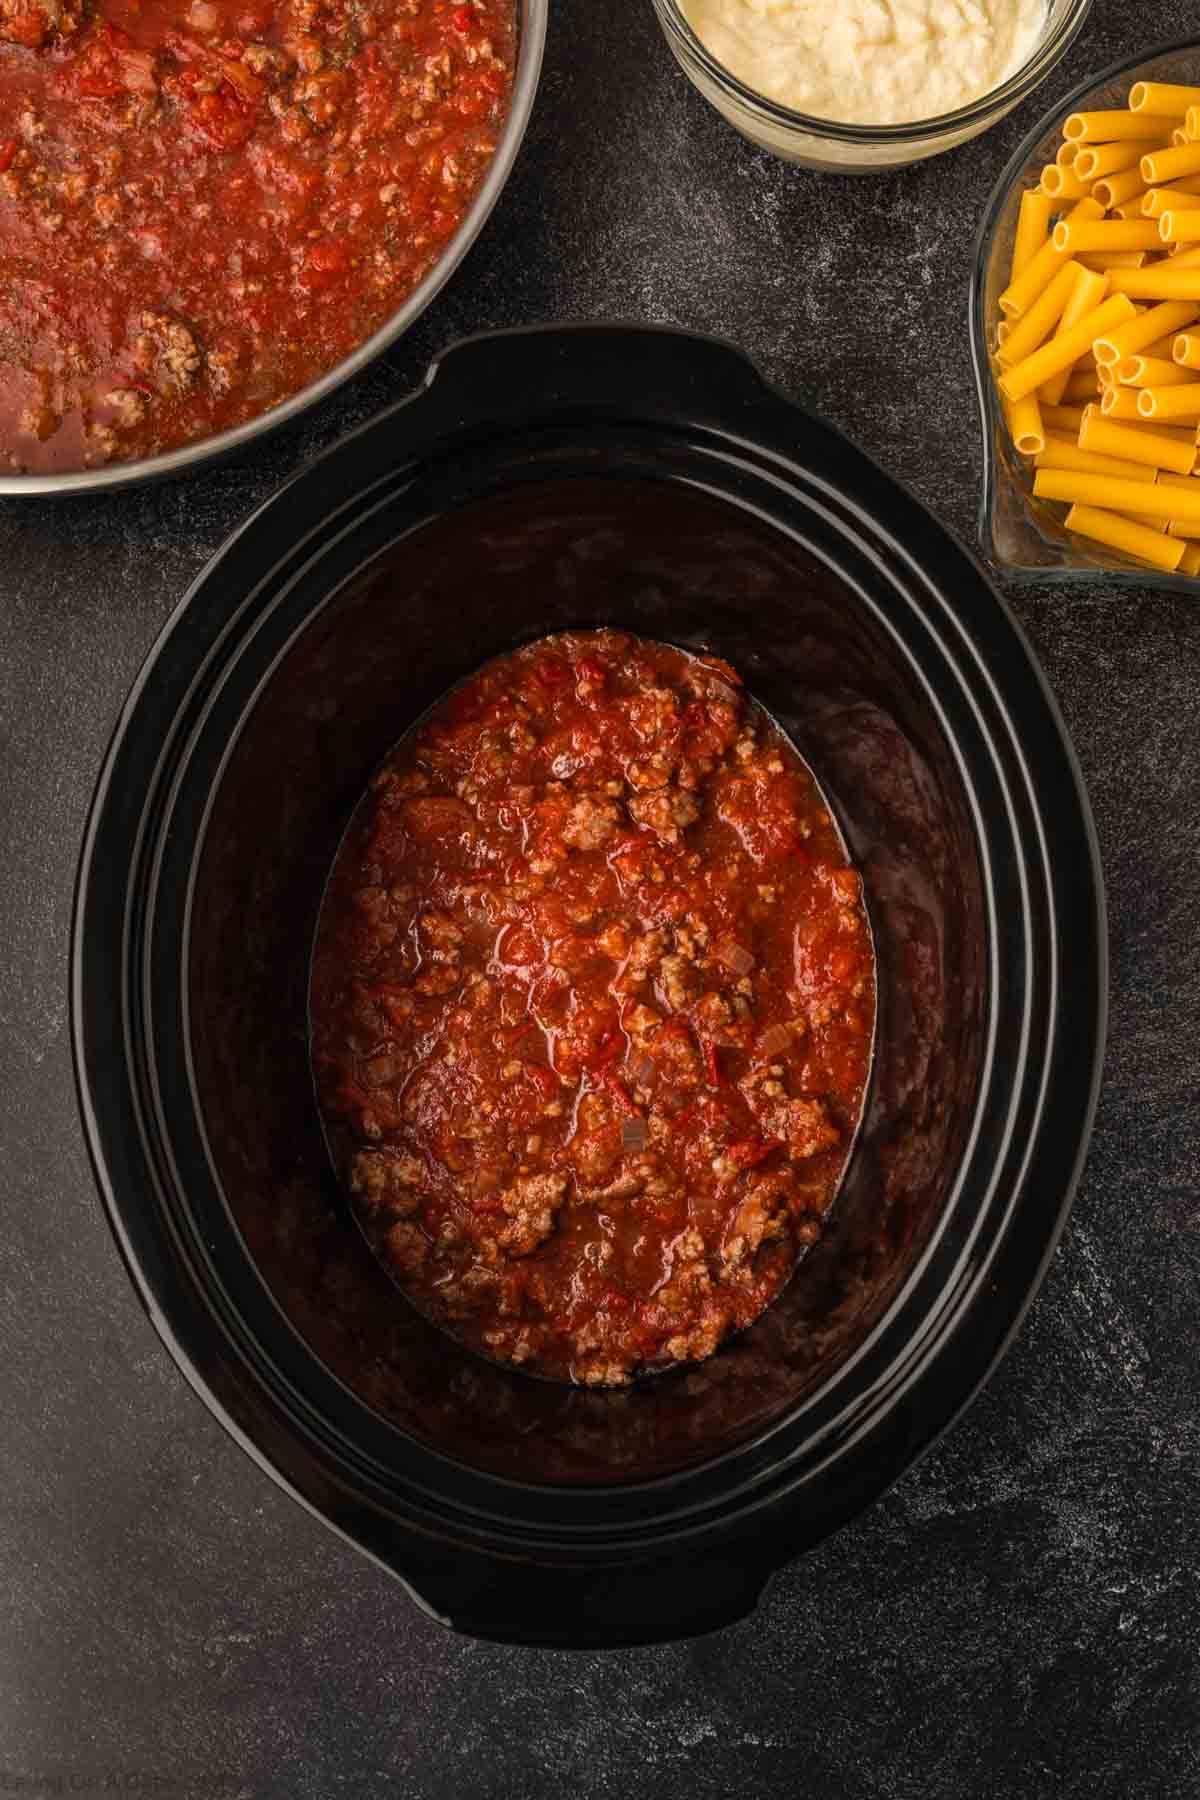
(206, 204)
(592, 1009)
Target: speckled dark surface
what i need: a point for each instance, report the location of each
(1020, 1616)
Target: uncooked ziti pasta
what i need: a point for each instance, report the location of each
(1097, 374)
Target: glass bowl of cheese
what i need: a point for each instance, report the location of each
(858, 85)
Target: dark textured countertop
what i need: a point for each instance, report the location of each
(1020, 1616)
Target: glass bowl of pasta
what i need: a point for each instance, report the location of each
(1085, 329)
(756, 63)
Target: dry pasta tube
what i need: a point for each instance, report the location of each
(1179, 434)
(1033, 327)
(1160, 282)
(1095, 160)
(1061, 453)
(1066, 419)
(1151, 371)
(1104, 260)
(1161, 347)
(1185, 259)
(1108, 234)
(1191, 119)
(1154, 202)
(1063, 183)
(1189, 562)
(1033, 228)
(1167, 165)
(1021, 293)
(1061, 352)
(1129, 210)
(1162, 97)
(1089, 289)
(1179, 137)
(1168, 479)
(1119, 496)
(1127, 340)
(1120, 402)
(1025, 425)
(1179, 227)
(1183, 528)
(1186, 350)
(1126, 535)
(1113, 190)
(1170, 402)
(1118, 125)
(1065, 154)
(1082, 386)
(1128, 444)
(1179, 194)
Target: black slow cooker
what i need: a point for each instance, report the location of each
(540, 480)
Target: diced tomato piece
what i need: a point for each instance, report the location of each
(244, 80)
(842, 962)
(487, 1203)
(607, 1052)
(747, 1153)
(324, 263)
(846, 885)
(97, 87)
(434, 817)
(473, 106)
(136, 69)
(255, 18)
(621, 1094)
(8, 150)
(220, 120)
(669, 1211)
(544, 1079)
(683, 1121)
(520, 947)
(29, 29)
(548, 992)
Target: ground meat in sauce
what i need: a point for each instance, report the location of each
(592, 1007)
(205, 204)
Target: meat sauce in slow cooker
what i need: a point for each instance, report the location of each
(592, 1008)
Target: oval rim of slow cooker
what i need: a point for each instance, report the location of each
(563, 1495)
(791, 1417)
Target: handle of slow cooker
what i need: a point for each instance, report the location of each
(598, 368)
(586, 1609)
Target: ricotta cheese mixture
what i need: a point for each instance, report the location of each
(870, 62)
